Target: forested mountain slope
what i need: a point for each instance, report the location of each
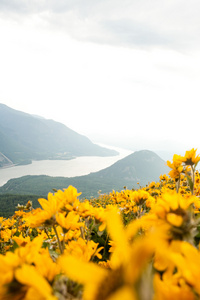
(23, 136)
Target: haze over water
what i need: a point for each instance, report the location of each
(65, 168)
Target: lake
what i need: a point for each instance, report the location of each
(65, 168)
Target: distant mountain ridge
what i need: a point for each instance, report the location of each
(142, 166)
(27, 137)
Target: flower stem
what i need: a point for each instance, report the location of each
(59, 243)
(178, 185)
(192, 169)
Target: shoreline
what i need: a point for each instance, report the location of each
(78, 166)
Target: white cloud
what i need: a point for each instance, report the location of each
(172, 24)
(121, 69)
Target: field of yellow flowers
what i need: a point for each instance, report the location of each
(140, 244)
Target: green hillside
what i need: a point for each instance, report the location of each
(9, 203)
(141, 166)
(23, 137)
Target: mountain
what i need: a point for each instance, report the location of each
(25, 137)
(4, 161)
(142, 166)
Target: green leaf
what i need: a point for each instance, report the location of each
(190, 182)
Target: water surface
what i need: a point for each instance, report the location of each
(65, 168)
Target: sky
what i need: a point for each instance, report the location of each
(123, 72)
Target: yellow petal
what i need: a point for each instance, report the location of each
(126, 293)
(81, 271)
(174, 219)
(116, 230)
(28, 275)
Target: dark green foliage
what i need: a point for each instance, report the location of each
(42, 185)
(102, 240)
(9, 202)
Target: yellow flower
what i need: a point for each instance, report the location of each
(51, 207)
(176, 167)
(68, 196)
(187, 260)
(174, 219)
(45, 265)
(172, 288)
(99, 215)
(70, 221)
(38, 217)
(127, 263)
(87, 273)
(139, 197)
(85, 209)
(190, 157)
(6, 234)
(28, 276)
(164, 177)
(175, 210)
(8, 223)
(185, 272)
(74, 206)
(8, 263)
(20, 240)
(27, 271)
(83, 250)
(171, 202)
(104, 264)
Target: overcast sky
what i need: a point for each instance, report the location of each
(108, 69)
